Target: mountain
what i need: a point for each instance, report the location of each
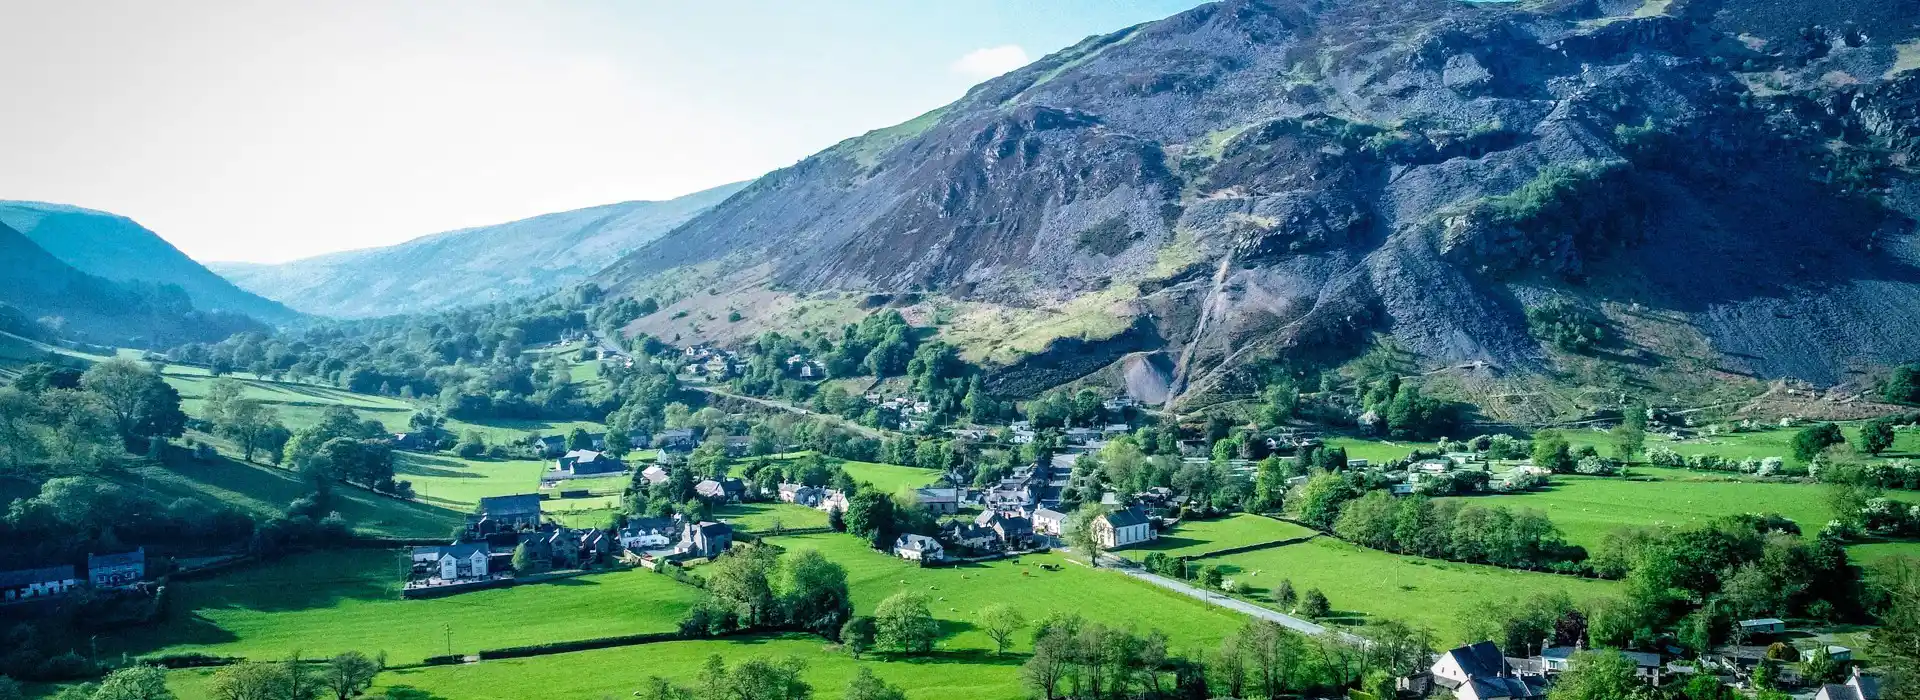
(37, 287)
(114, 247)
(472, 265)
(1721, 190)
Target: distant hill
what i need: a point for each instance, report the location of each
(40, 295)
(1722, 191)
(471, 265)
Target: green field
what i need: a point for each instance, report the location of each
(1587, 508)
(267, 490)
(890, 478)
(1364, 584)
(326, 602)
(1377, 451)
(302, 404)
(1200, 536)
(446, 480)
(762, 517)
(610, 673)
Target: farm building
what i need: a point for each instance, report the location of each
(1121, 528)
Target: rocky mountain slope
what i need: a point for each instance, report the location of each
(473, 265)
(41, 295)
(116, 248)
(1724, 185)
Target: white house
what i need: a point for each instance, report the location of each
(1480, 672)
(454, 562)
(644, 534)
(1859, 686)
(919, 548)
(1047, 521)
(28, 584)
(1120, 528)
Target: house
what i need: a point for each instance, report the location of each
(505, 514)
(1012, 529)
(584, 463)
(1479, 672)
(1859, 686)
(724, 490)
(801, 494)
(738, 445)
(939, 501)
(1557, 659)
(920, 548)
(1839, 653)
(706, 539)
(654, 475)
(676, 440)
(1121, 528)
(1765, 625)
(832, 501)
(417, 440)
(117, 570)
(30, 584)
(454, 562)
(1048, 522)
(643, 534)
(973, 536)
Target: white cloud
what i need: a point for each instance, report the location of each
(981, 64)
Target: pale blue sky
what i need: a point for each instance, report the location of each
(270, 131)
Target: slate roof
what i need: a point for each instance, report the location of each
(1127, 517)
(45, 574)
(138, 556)
(919, 543)
(1481, 660)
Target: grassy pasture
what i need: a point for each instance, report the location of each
(326, 602)
(890, 478)
(1199, 536)
(761, 517)
(1365, 584)
(268, 490)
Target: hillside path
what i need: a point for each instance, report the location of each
(1129, 568)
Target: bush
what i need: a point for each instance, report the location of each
(1565, 326)
(577, 645)
(188, 660)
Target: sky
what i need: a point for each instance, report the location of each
(265, 132)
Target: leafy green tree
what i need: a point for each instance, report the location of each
(1876, 436)
(866, 686)
(1812, 440)
(253, 680)
(1630, 436)
(1551, 452)
(472, 445)
(1001, 622)
(578, 439)
(523, 562)
(858, 635)
(1080, 534)
(903, 623)
(1904, 385)
(1314, 604)
(1284, 596)
(870, 516)
(1819, 666)
(134, 683)
(1317, 502)
(349, 673)
(1211, 577)
(813, 593)
(141, 403)
(1599, 675)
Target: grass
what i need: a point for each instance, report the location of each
(1364, 584)
(267, 490)
(1027, 583)
(1200, 536)
(1587, 508)
(762, 517)
(301, 405)
(890, 478)
(324, 603)
(1377, 451)
(618, 672)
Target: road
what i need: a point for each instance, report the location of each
(1243, 607)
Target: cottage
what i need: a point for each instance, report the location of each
(505, 514)
(654, 475)
(1012, 529)
(973, 536)
(724, 490)
(801, 494)
(706, 539)
(1557, 659)
(1048, 522)
(30, 584)
(939, 501)
(738, 445)
(832, 501)
(1121, 528)
(676, 440)
(584, 463)
(117, 570)
(1479, 672)
(455, 562)
(643, 534)
(1765, 625)
(920, 548)
(1859, 686)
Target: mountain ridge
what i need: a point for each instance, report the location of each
(470, 265)
(1724, 185)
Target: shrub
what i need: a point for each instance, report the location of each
(1565, 326)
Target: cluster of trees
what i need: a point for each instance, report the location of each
(1565, 326)
(753, 587)
(59, 420)
(881, 345)
(760, 679)
(1707, 576)
(1552, 453)
(1903, 386)
(1062, 409)
(251, 424)
(342, 447)
(1399, 409)
(1420, 526)
(1760, 466)
(1126, 464)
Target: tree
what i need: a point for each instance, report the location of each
(1819, 666)
(1630, 436)
(1876, 436)
(866, 686)
(1001, 621)
(1284, 596)
(523, 562)
(858, 635)
(250, 423)
(472, 445)
(1598, 675)
(1080, 534)
(1896, 644)
(870, 516)
(813, 593)
(1551, 452)
(253, 680)
(1317, 502)
(1211, 577)
(1812, 440)
(141, 403)
(1904, 385)
(1314, 604)
(836, 520)
(349, 673)
(903, 623)
(134, 683)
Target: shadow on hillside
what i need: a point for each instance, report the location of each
(416, 464)
(407, 692)
(1166, 542)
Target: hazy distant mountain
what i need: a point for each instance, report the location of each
(1723, 189)
(472, 265)
(114, 247)
(79, 306)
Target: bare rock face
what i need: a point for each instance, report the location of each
(1288, 179)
